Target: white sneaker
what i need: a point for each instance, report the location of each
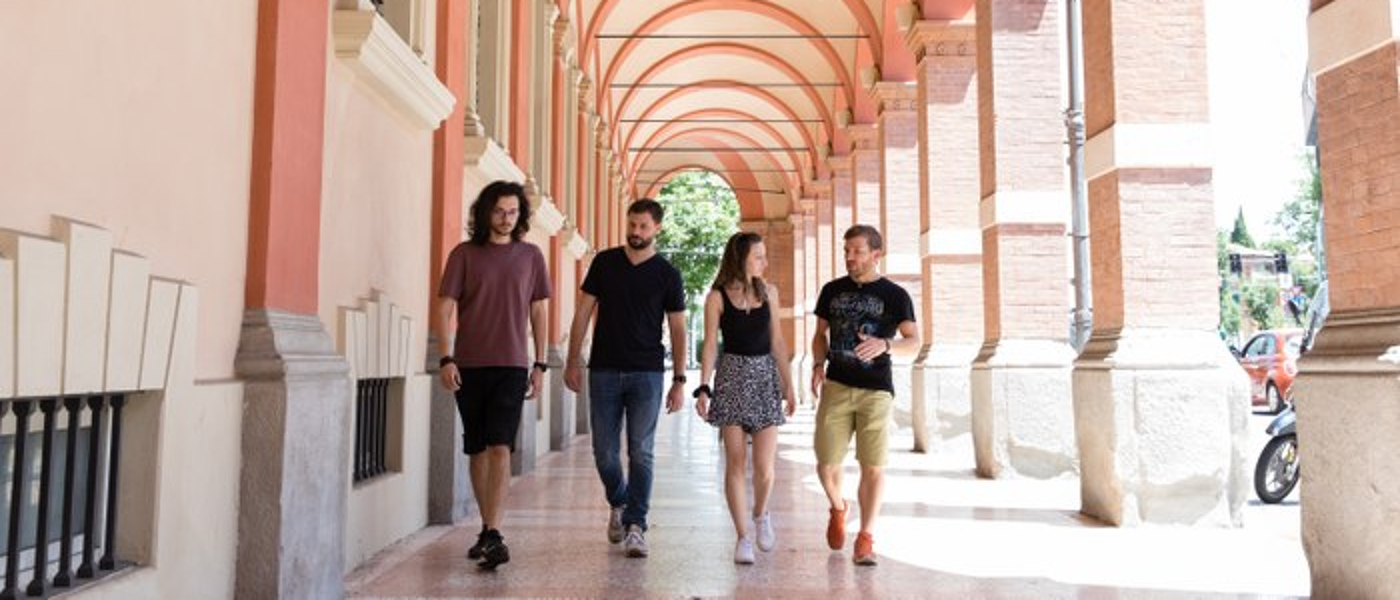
(743, 551)
(635, 544)
(764, 525)
(615, 530)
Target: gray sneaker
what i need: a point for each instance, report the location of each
(636, 543)
(615, 529)
(764, 525)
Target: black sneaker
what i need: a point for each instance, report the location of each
(474, 552)
(494, 553)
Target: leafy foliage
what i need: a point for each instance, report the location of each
(701, 214)
(1298, 218)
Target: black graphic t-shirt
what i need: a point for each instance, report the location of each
(875, 309)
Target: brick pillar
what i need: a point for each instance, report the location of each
(1348, 407)
(823, 258)
(807, 296)
(1161, 406)
(950, 241)
(1022, 419)
(865, 174)
(842, 213)
(897, 154)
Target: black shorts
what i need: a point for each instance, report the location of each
(489, 403)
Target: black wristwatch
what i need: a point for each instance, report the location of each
(544, 368)
(678, 378)
(446, 360)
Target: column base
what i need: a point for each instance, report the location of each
(1348, 416)
(296, 450)
(561, 402)
(948, 390)
(450, 497)
(1162, 418)
(1022, 414)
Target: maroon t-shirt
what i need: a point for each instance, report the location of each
(494, 285)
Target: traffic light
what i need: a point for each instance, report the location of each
(1235, 267)
(1280, 262)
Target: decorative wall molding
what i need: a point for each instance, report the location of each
(78, 317)
(376, 338)
(943, 40)
(370, 47)
(486, 155)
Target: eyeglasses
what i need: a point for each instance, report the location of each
(499, 212)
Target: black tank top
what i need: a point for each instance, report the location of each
(746, 333)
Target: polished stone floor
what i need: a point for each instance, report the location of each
(943, 534)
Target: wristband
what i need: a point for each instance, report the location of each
(446, 360)
(703, 389)
(544, 368)
(887, 345)
(680, 378)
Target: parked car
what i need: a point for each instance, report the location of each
(1271, 360)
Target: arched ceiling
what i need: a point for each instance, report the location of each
(753, 90)
(758, 91)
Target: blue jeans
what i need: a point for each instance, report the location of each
(635, 396)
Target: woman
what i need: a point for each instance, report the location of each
(752, 390)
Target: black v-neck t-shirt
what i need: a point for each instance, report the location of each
(632, 304)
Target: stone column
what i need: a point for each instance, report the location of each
(865, 174)
(295, 475)
(1161, 407)
(1348, 412)
(950, 241)
(1022, 418)
(449, 489)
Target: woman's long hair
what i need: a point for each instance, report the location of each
(486, 202)
(731, 266)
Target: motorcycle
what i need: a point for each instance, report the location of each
(1276, 473)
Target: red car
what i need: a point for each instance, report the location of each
(1271, 360)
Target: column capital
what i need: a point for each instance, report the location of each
(819, 187)
(864, 136)
(840, 165)
(895, 96)
(942, 40)
(563, 37)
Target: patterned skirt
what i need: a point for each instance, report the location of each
(748, 393)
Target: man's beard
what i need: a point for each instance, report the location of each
(637, 242)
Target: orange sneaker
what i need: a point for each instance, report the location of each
(865, 549)
(836, 528)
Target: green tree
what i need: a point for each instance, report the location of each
(1229, 296)
(701, 214)
(1262, 302)
(1240, 235)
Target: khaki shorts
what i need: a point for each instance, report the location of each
(845, 411)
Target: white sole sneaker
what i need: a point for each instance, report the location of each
(743, 552)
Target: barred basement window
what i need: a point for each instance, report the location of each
(58, 459)
(377, 412)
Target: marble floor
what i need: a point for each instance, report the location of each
(943, 534)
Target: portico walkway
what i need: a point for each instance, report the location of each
(944, 533)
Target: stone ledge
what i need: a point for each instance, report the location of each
(368, 45)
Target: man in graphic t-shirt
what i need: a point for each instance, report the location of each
(858, 317)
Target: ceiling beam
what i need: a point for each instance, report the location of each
(727, 84)
(704, 120)
(731, 36)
